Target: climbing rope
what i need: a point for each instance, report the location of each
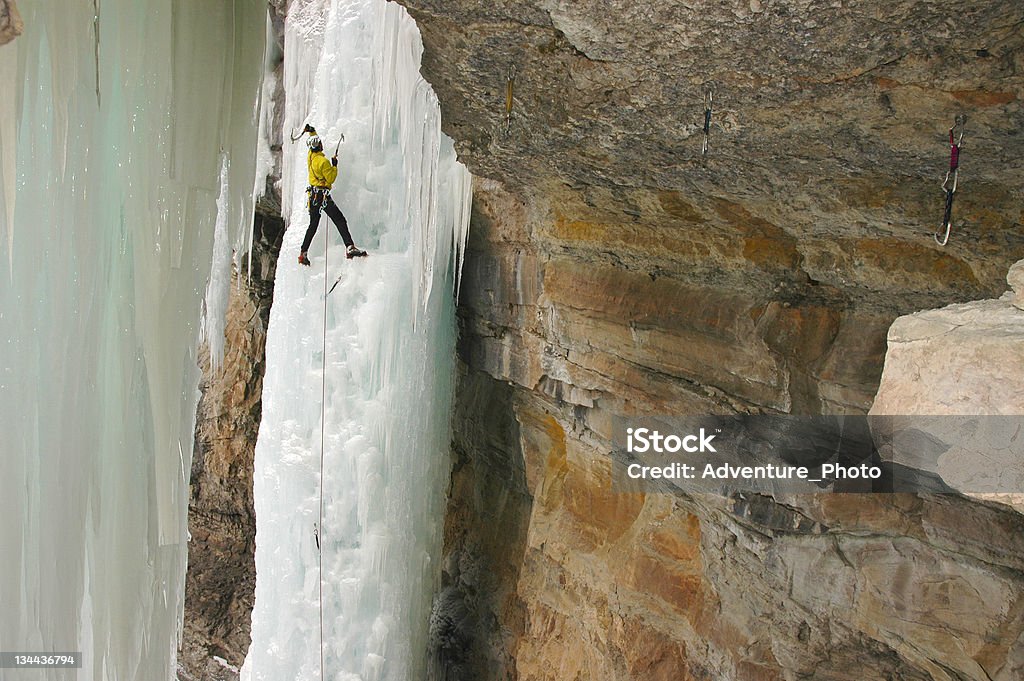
(323, 439)
(952, 176)
(709, 97)
(510, 80)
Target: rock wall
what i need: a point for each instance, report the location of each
(11, 24)
(614, 271)
(962, 359)
(221, 579)
(828, 137)
(553, 575)
(965, 362)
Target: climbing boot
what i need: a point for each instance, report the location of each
(354, 252)
(303, 260)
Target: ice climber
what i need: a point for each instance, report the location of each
(322, 174)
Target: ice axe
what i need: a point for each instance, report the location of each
(309, 128)
(312, 131)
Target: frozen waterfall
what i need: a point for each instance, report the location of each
(113, 133)
(352, 68)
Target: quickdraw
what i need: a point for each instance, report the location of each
(510, 80)
(952, 177)
(709, 97)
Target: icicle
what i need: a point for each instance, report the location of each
(96, 55)
(218, 290)
(98, 378)
(460, 233)
(9, 83)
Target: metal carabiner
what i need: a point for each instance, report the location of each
(955, 174)
(947, 221)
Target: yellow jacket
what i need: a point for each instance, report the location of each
(321, 172)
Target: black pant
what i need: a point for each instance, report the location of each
(322, 201)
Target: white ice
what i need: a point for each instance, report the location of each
(387, 342)
(109, 207)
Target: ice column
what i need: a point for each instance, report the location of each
(103, 265)
(352, 68)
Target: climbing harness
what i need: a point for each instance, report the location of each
(952, 176)
(510, 81)
(709, 97)
(318, 194)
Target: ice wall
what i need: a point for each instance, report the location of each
(113, 134)
(352, 67)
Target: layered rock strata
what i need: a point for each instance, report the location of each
(613, 271)
(827, 148)
(552, 574)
